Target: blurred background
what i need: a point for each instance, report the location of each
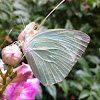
(83, 82)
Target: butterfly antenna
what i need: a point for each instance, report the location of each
(5, 39)
(22, 21)
(15, 24)
(50, 14)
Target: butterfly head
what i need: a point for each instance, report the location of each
(29, 30)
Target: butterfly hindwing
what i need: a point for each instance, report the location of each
(52, 53)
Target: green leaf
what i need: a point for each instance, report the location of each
(82, 73)
(64, 86)
(79, 14)
(94, 94)
(69, 12)
(40, 2)
(52, 91)
(83, 9)
(85, 28)
(93, 59)
(76, 84)
(90, 98)
(69, 25)
(84, 94)
(22, 13)
(84, 64)
(19, 6)
(3, 16)
(85, 76)
(98, 72)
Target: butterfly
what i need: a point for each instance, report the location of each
(52, 53)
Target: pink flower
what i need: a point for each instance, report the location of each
(23, 87)
(85, 5)
(11, 55)
(23, 90)
(24, 72)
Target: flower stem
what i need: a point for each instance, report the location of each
(7, 78)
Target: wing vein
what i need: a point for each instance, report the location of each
(42, 69)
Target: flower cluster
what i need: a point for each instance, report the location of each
(19, 82)
(23, 86)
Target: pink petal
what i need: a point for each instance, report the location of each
(24, 72)
(23, 90)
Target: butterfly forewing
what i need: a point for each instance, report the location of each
(52, 53)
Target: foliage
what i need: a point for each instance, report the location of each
(83, 81)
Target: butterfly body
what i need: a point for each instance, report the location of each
(52, 53)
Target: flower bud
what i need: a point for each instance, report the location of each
(11, 55)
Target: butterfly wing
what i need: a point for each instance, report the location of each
(52, 53)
